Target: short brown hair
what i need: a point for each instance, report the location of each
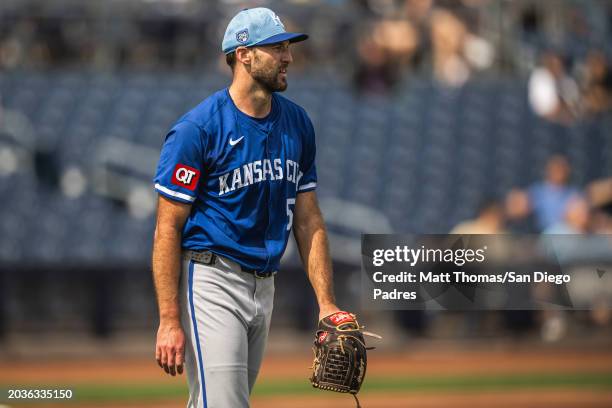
(230, 59)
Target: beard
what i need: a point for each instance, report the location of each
(269, 78)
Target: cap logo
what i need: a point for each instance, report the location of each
(242, 36)
(277, 21)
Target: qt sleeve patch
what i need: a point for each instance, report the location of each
(185, 176)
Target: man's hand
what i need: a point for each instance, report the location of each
(170, 347)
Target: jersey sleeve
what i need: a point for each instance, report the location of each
(308, 181)
(180, 163)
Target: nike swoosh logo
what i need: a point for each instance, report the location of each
(235, 142)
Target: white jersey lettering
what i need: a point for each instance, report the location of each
(267, 169)
(258, 171)
(248, 174)
(223, 187)
(278, 168)
(299, 177)
(236, 180)
(289, 166)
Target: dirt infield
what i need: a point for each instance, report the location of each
(524, 399)
(451, 362)
(278, 368)
(458, 362)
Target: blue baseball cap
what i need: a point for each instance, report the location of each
(256, 26)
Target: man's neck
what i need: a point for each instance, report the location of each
(251, 99)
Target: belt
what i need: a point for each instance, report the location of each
(208, 258)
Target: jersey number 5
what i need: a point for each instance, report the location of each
(290, 202)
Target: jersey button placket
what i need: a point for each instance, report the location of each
(269, 200)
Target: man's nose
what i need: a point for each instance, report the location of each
(287, 57)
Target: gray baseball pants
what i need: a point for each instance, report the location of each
(226, 317)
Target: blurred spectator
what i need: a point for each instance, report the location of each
(418, 11)
(448, 35)
(600, 195)
(456, 51)
(596, 83)
(456, 35)
(489, 220)
(579, 218)
(553, 94)
(575, 220)
(383, 54)
(546, 199)
(602, 219)
(375, 72)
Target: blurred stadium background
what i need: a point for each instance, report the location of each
(431, 116)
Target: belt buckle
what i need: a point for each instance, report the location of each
(205, 257)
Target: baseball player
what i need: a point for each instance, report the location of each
(235, 175)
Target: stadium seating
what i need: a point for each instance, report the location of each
(423, 157)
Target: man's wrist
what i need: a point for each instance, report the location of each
(169, 317)
(327, 309)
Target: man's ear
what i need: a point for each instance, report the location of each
(244, 55)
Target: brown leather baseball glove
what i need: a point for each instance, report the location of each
(340, 354)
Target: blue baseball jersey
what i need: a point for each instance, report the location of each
(241, 175)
